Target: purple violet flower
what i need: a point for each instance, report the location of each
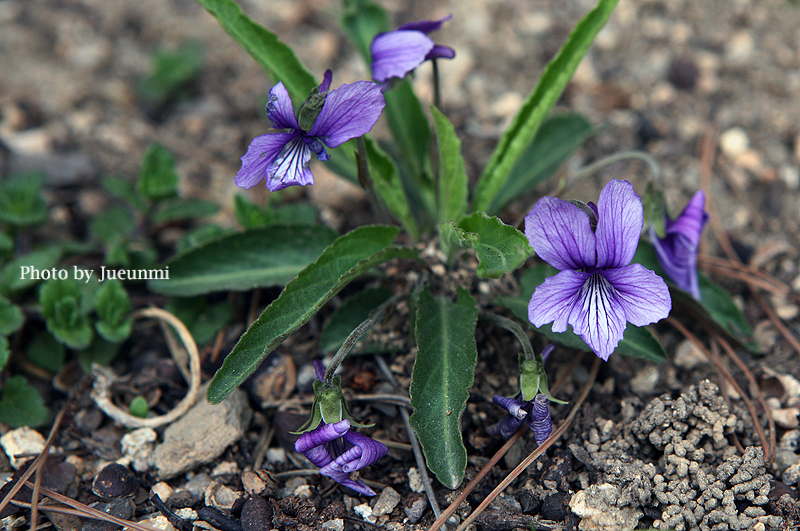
(346, 112)
(337, 452)
(536, 412)
(398, 52)
(677, 250)
(597, 291)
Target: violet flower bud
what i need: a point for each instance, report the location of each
(398, 52)
(541, 421)
(677, 250)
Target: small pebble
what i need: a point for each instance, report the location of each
(415, 511)
(138, 446)
(791, 476)
(734, 142)
(415, 480)
(22, 441)
(365, 512)
(337, 524)
(386, 502)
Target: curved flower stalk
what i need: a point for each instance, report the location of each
(597, 291)
(329, 443)
(398, 52)
(325, 119)
(677, 250)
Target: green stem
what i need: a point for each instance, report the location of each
(437, 92)
(515, 329)
(374, 318)
(611, 159)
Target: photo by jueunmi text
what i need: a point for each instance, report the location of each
(80, 274)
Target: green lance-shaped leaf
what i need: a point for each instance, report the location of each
(637, 342)
(443, 374)
(22, 405)
(61, 307)
(538, 104)
(244, 260)
(157, 177)
(348, 257)
(274, 57)
(20, 200)
(388, 186)
(113, 306)
(453, 182)
(500, 248)
(11, 317)
(557, 138)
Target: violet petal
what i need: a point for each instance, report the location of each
(370, 451)
(349, 111)
(643, 295)
(396, 53)
(541, 421)
(425, 26)
(553, 300)
(440, 51)
(280, 110)
(290, 167)
(619, 224)
(507, 426)
(327, 77)
(512, 405)
(677, 251)
(324, 433)
(560, 233)
(260, 154)
(598, 317)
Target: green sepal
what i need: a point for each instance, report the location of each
(329, 407)
(533, 379)
(311, 109)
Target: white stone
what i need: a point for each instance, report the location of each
(645, 382)
(137, 446)
(276, 455)
(688, 356)
(734, 142)
(365, 512)
(415, 481)
(337, 524)
(386, 502)
(22, 441)
(163, 490)
(596, 508)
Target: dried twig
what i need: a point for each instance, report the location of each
(755, 390)
(89, 512)
(506, 447)
(103, 379)
(713, 356)
(412, 437)
(38, 462)
(532, 457)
